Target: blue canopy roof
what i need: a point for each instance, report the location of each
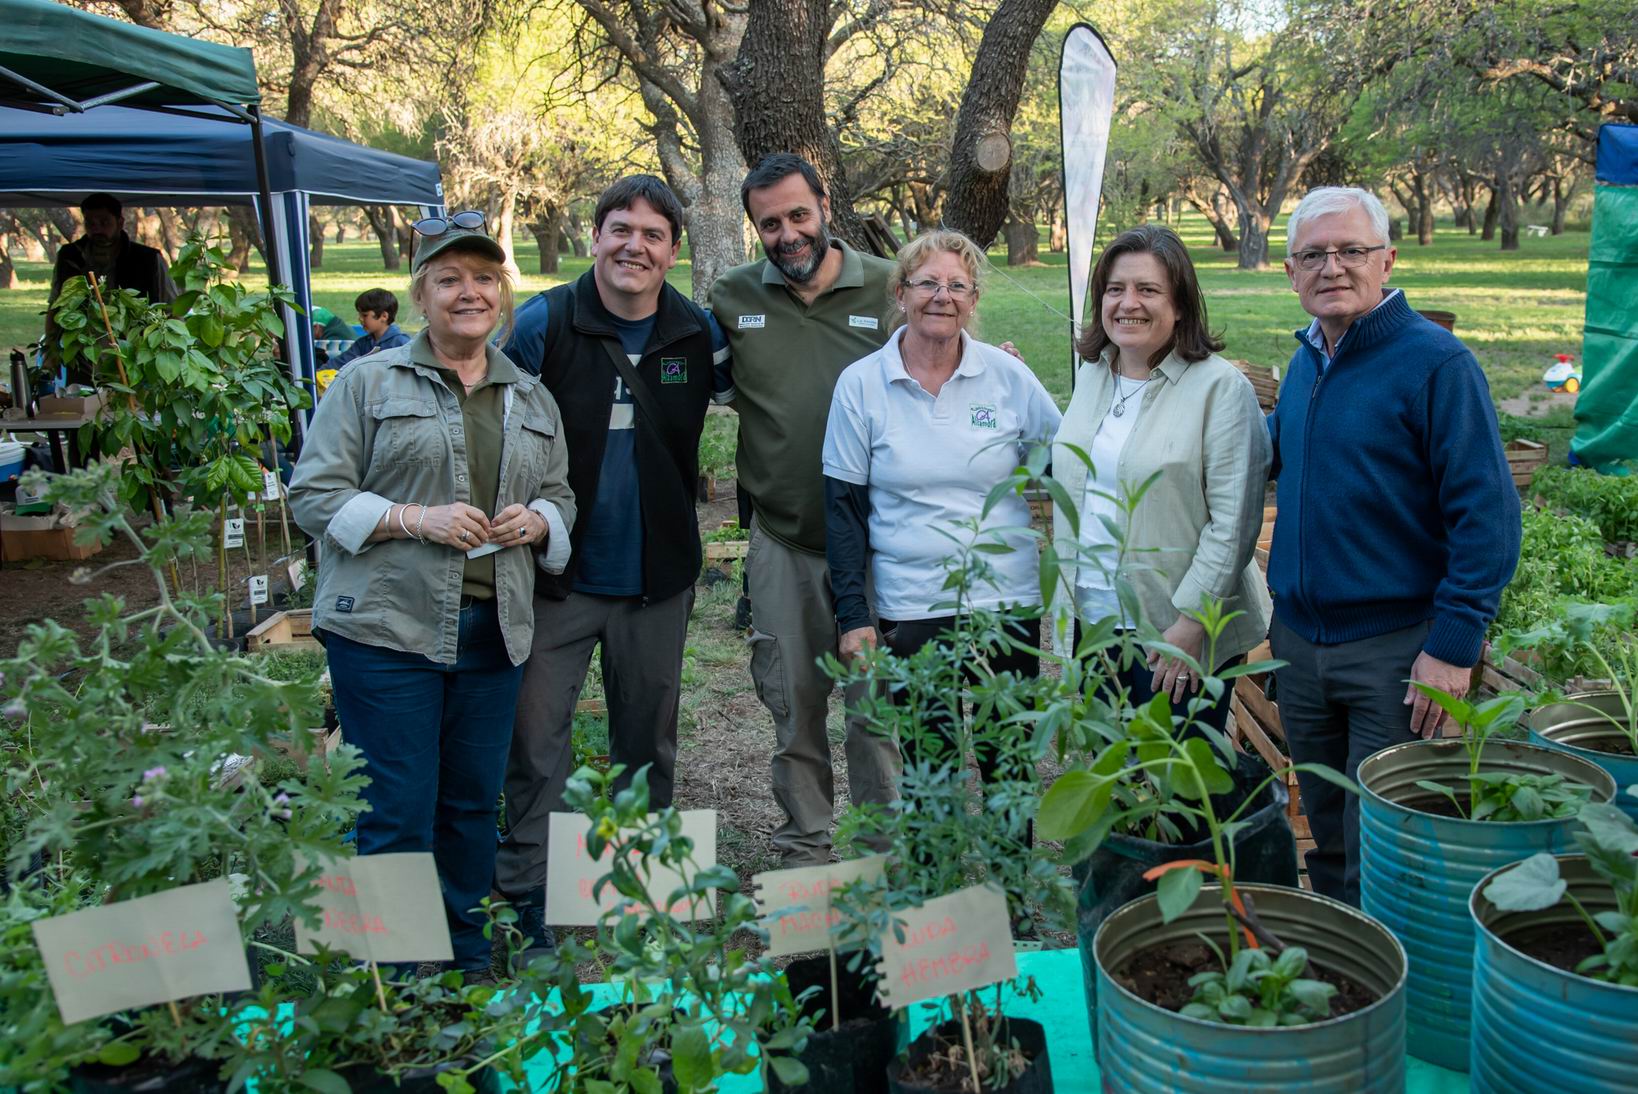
(1618, 154)
(190, 158)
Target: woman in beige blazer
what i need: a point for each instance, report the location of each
(1154, 400)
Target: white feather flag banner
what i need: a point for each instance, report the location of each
(1086, 102)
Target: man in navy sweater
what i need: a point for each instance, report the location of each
(1398, 521)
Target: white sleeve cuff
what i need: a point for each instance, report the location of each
(353, 524)
(555, 558)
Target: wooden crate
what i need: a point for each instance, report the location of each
(1257, 724)
(724, 550)
(1265, 380)
(1524, 459)
(1265, 539)
(288, 630)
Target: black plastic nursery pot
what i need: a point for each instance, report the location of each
(1029, 1036)
(1149, 1049)
(147, 1077)
(854, 1056)
(1265, 851)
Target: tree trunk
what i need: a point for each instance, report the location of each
(1253, 237)
(577, 236)
(341, 233)
(315, 231)
(8, 269)
(1395, 232)
(243, 233)
(980, 164)
(1506, 198)
(546, 227)
(1561, 206)
(1424, 209)
(382, 218)
(1023, 242)
(503, 224)
(715, 219)
(1491, 211)
(1058, 234)
(776, 83)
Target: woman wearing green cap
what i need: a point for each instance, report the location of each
(436, 478)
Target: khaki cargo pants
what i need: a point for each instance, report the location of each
(794, 624)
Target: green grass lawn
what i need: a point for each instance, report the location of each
(1515, 310)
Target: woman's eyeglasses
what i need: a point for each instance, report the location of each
(958, 290)
(469, 219)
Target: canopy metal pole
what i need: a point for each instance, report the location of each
(270, 247)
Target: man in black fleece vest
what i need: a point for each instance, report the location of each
(633, 365)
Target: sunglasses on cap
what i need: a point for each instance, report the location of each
(469, 220)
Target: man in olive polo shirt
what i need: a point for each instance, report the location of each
(794, 321)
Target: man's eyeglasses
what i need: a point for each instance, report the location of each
(958, 290)
(437, 226)
(1350, 258)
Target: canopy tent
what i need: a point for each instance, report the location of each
(150, 158)
(1606, 411)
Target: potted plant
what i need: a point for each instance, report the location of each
(1279, 987)
(116, 747)
(948, 831)
(1555, 974)
(1600, 726)
(691, 1007)
(1435, 817)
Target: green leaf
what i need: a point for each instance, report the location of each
(1610, 828)
(791, 1071)
(1235, 1008)
(1528, 887)
(1313, 994)
(1209, 765)
(691, 1057)
(325, 1082)
(1177, 890)
(118, 1054)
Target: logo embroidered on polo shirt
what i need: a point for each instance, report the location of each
(749, 322)
(984, 416)
(344, 603)
(673, 370)
(868, 322)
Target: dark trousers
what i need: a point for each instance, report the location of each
(434, 739)
(642, 655)
(904, 637)
(1138, 680)
(1339, 704)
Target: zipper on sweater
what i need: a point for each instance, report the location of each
(1307, 455)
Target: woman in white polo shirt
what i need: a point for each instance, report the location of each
(1152, 395)
(919, 433)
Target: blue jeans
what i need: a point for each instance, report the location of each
(435, 739)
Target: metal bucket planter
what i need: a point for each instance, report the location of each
(1145, 1048)
(1537, 1027)
(1417, 870)
(1571, 726)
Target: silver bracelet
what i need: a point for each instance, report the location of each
(420, 520)
(401, 525)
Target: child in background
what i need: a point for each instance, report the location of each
(377, 312)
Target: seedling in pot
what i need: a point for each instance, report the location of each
(1257, 989)
(1609, 838)
(1602, 632)
(1500, 796)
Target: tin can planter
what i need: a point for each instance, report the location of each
(855, 1055)
(1264, 851)
(1417, 869)
(1539, 1027)
(1030, 1037)
(1588, 724)
(1149, 1049)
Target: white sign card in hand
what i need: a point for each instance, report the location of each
(233, 532)
(258, 589)
(380, 908)
(571, 874)
(953, 943)
(154, 949)
(795, 903)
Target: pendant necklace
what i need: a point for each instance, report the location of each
(1120, 389)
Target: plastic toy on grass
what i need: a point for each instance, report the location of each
(1563, 375)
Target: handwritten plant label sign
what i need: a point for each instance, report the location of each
(258, 589)
(298, 573)
(271, 486)
(795, 903)
(380, 908)
(571, 873)
(154, 949)
(952, 943)
(233, 532)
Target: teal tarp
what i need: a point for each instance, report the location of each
(82, 56)
(1607, 408)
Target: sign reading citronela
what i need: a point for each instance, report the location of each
(154, 949)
